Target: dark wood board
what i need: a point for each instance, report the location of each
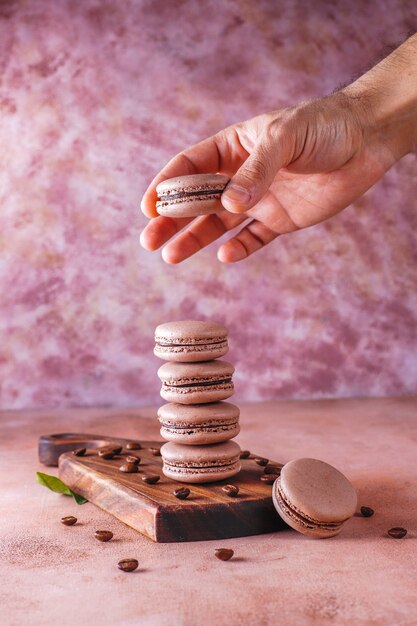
(208, 513)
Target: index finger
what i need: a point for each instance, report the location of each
(203, 158)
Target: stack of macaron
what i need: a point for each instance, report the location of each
(196, 421)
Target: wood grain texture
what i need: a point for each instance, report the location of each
(153, 510)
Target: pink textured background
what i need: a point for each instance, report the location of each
(95, 97)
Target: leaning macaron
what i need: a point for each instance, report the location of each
(190, 340)
(199, 424)
(314, 498)
(195, 383)
(190, 196)
(200, 464)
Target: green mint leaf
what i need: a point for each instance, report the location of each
(55, 484)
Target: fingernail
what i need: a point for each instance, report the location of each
(235, 198)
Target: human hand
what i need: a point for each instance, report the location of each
(290, 169)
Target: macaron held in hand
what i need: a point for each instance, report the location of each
(191, 196)
(190, 340)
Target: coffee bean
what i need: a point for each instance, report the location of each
(262, 462)
(117, 449)
(224, 554)
(128, 468)
(135, 460)
(231, 490)
(70, 520)
(103, 535)
(151, 479)
(269, 479)
(133, 445)
(106, 453)
(397, 533)
(80, 452)
(128, 565)
(245, 454)
(155, 451)
(273, 469)
(181, 493)
(367, 511)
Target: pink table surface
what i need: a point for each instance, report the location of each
(55, 574)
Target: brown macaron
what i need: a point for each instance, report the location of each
(314, 498)
(191, 196)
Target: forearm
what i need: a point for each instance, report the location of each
(386, 98)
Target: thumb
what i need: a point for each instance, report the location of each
(254, 177)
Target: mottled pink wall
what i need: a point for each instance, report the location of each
(95, 96)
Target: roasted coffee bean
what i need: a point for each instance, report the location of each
(135, 460)
(181, 493)
(151, 479)
(106, 453)
(103, 535)
(262, 462)
(70, 520)
(128, 565)
(80, 452)
(155, 451)
(231, 490)
(224, 554)
(128, 468)
(245, 454)
(269, 479)
(117, 449)
(273, 469)
(397, 533)
(367, 511)
(133, 445)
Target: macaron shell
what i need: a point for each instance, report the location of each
(195, 415)
(318, 490)
(187, 208)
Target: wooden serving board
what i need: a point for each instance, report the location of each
(207, 513)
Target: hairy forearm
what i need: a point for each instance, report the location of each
(386, 98)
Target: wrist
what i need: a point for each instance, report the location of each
(385, 99)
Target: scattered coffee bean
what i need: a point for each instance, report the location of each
(155, 451)
(224, 554)
(245, 454)
(231, 490)
(367, 511)
(135, 460)
(128, 468)
(80, 452)
(262, 462)
(106, 453)
(273, 469)
(397, 533)
(151, 479)
(103, 535)
(269, 479)
(128, 565)
(70, 520)
(181, 493)
(133, 445)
